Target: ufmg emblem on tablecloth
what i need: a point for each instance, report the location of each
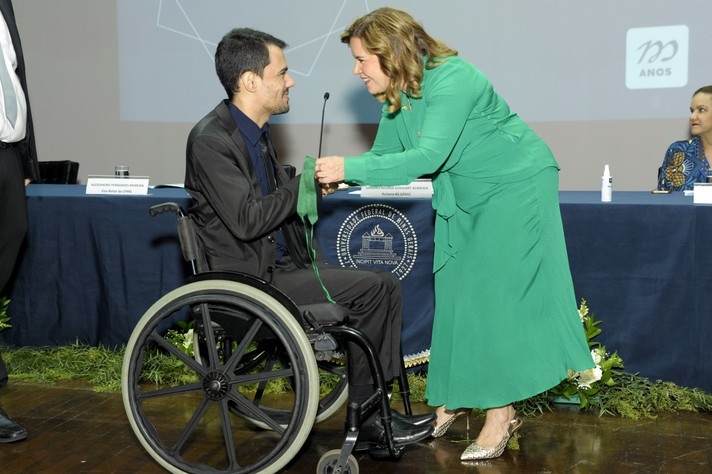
(377, 235)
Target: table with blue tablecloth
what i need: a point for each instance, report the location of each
(93, 264)
(641, 262)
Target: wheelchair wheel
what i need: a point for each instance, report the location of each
(327, 463)
(205, 434)
(334, 397)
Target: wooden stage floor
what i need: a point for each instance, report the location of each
(75, 430)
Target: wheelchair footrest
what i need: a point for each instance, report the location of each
(378, 451)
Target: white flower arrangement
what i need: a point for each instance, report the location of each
(586, 384)
(182, 338)
(585, 379)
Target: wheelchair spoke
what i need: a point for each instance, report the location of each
(210, 340)
(245, 407)
(261, 377)
(180, 355)
(332, 368)
(227, 435)
(254, 361)
(243, 345)
(191, 425)
(269, 365)
(169, 391)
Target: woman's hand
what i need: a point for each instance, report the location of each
(329, 169)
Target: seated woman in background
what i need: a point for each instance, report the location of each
(686, 161)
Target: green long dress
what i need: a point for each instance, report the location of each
(506, 324)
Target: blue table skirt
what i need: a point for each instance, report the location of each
(393, 234)
(644, 265)
(639, 261)
(92, 265)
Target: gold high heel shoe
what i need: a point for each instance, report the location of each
(442, 429)
(474, 451)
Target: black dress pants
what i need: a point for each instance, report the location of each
(374, 300)
(13, 219)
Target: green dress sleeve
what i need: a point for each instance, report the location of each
(419, 139)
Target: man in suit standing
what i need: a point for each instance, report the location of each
(18, 167)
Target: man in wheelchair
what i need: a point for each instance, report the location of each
(244, 210)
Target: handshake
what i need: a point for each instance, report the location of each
(329, 171)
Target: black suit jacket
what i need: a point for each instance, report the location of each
(235, 223)
(25, 147)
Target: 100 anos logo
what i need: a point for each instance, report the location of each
(657, 57)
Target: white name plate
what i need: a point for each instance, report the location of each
(420, 188)
(137, 185)
(703, 193)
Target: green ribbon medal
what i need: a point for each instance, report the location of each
(307, 211)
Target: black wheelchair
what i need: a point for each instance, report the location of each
(248, 341)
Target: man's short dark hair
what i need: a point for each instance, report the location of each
(242, 50)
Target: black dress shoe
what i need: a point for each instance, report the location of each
(9, 430)
(417, 420)
(372, 433)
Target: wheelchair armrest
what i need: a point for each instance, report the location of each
(317, 316)
(324, 314)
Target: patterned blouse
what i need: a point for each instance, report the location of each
(684, 165)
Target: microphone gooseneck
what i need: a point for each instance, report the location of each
(321, 129)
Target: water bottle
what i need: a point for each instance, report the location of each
(606, 185)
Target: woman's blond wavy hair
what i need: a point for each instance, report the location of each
(402, 47)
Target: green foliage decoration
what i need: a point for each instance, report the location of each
(616, 392)
(4, 318)
(609, 390)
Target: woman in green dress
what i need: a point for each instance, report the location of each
(506, 324)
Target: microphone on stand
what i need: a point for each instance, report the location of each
(321, 130)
